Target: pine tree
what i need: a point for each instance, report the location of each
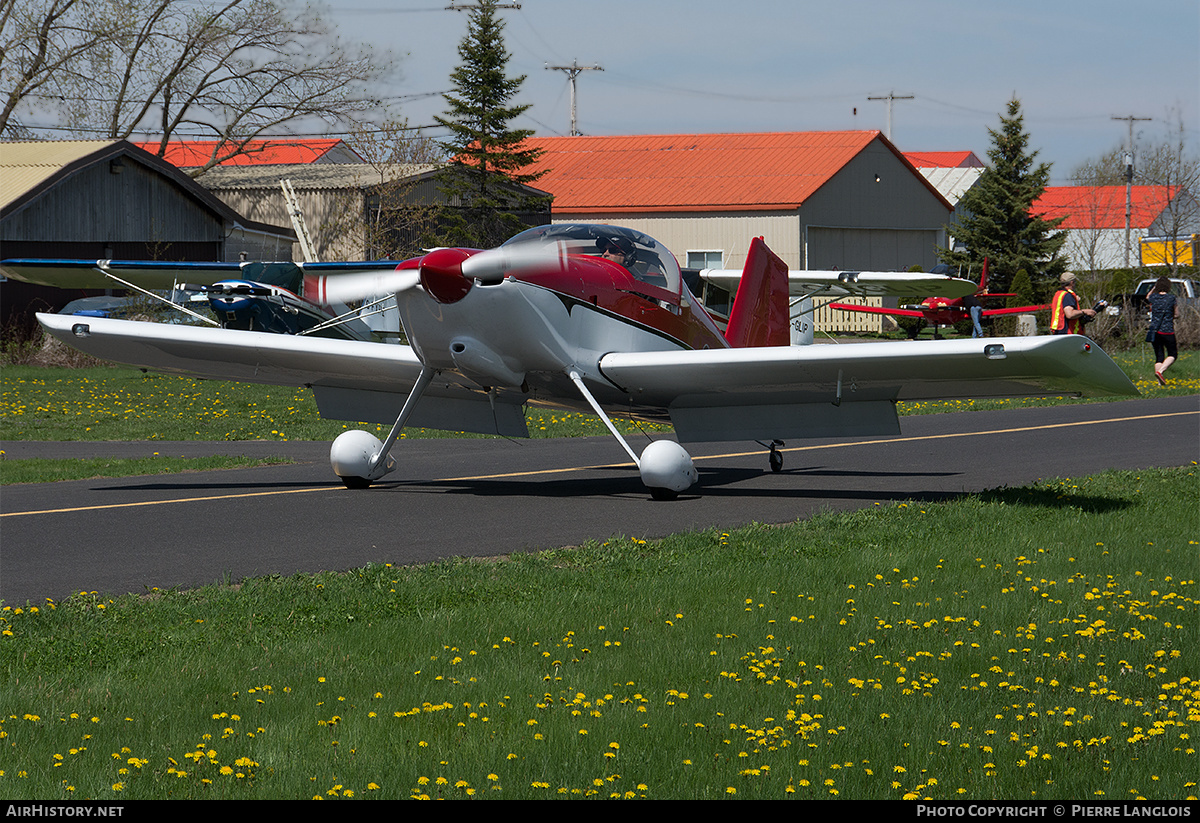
(995, 218)
(484, 175)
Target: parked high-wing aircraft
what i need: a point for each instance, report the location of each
(248, 296)
(599, 318)
(945, 310)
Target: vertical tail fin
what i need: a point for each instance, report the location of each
(760, 308)
(983, 277)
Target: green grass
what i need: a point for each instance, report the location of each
(119, 403)
(1183, 379)
(1024, 643)
(38, 470)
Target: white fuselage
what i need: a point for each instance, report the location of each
(518, 335)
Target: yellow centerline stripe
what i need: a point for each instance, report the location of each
(164, 502)
(538, 472)
(913, 439)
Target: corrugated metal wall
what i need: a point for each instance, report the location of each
(331, 215)
(731, 232)
(98, 205)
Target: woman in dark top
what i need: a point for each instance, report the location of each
(1164, 308)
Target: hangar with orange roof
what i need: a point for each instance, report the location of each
(1095, 219)
(822, 200)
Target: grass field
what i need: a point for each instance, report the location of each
(39, 470)
(114, 403)
(1024, 643)
(1021, 644)
(120, 403)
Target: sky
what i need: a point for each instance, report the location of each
(703, 66)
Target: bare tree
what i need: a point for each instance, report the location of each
(1167, 161)
(394, 203)
(229, 70)
(1090, 246)
(40, 40)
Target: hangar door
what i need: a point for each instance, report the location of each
(870, 249)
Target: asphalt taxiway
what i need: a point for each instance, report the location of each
(488, 497)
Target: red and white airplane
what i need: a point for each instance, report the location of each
(945, 310)
(599, 318)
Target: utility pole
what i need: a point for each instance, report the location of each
(1129, 181)
(573, 72)
(891, 98)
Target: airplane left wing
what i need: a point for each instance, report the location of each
(856, 283)
(851, 389)
(351, 379)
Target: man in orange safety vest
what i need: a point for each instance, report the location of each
(1065, 315)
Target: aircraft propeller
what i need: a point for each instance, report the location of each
(343, 288)
(446, 274)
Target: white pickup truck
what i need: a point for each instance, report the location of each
(1187, 291)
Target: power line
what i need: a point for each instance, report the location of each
(453, 7)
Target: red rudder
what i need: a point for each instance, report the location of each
(760, 308)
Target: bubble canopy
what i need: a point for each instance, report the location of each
(651, 262)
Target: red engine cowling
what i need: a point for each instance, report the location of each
(442, 277)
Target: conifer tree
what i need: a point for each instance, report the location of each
(484, 174)
(995, 219)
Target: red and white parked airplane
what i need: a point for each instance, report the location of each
(599, 318)
(946, 310)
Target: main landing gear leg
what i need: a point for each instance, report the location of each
(666, 468)
(358, 457)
